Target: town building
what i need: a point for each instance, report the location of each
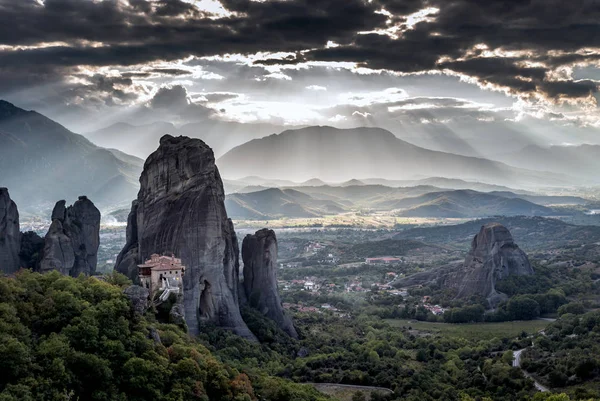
(162, 273)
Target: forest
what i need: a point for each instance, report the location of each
(69, 338)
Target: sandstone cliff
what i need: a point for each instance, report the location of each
(10, 235)
(180, 209)
(71, 244)
(259, 253)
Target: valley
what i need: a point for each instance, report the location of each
(329, 288)
(299, 200)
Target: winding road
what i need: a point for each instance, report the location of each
(517, 364)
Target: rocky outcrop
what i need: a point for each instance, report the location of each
(138, 296)
(177, 315)
(32, 247)
(71, 244)
(10, 235)
(493, 256)
(259, 253)
(180, 209)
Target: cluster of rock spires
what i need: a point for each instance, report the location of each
(70, 246)
(493, 256)
(180, 209)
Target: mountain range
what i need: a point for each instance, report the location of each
(275, 202)
(336, 155)
(580, 161)
(42, 162)
(420, 201)
(466, 203)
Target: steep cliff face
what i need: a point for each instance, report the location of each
(259, 253)
(128, 258)
(180, 209)
(493, 256)
(71, 244)
(10, 235)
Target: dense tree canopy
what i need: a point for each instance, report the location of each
(64, 338)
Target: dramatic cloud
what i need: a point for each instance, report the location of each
(170, 97)
(116, 52)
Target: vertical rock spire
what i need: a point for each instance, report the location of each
(180, 209)
(10, 235)
(259, 253)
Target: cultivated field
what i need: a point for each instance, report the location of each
(474, 331)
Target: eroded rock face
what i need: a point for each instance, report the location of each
(127, 260)
(493, 256)
(10, 235)
(32, 248)
(139, 298)
(71, 244)
(259, 253)
(180, 209)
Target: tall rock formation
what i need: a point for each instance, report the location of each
(493, 256)
(259, 253)
(10, 234)
(71, 244)
(180, 209)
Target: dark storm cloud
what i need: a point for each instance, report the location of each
(174, 101)
(549, 33)
(217, 97)
(171, 71)
(170, 97)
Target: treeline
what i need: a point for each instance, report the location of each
(64, 338)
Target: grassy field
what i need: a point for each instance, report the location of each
(474, 331)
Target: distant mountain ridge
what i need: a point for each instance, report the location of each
(141, 140)
(420, 201)
(580, 161)
(335, 155)
(42, 162)
(467, 203)
(275, 202)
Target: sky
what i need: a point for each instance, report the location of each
(531, 65)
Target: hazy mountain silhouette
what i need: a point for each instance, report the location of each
(466, 203)
(141, 140)
(42, 162)
(274, 202)
(580, 161)
(138, 140)
(418, 201)
(336, 155)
